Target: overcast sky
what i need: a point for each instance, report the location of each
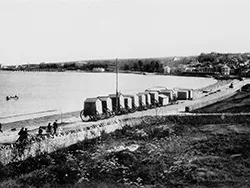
(32, 31)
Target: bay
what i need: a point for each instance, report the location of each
(62, 92)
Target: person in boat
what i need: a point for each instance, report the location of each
(11, 97)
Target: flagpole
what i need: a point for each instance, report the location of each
(117, 104)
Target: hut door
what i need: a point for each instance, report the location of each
(126, 103)
(104, 106)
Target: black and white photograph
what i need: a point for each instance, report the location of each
(124, 94)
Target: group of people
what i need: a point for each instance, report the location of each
(23, 133)
(51, 129)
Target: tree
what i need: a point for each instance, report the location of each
(135, 67)
(140, 65)
(157, 66)
(126, 67)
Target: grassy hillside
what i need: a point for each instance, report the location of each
(149, 155)
(240, 102)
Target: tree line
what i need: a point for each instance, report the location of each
(144, 66)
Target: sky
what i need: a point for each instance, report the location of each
(34, 31)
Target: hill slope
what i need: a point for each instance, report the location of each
(240, 102)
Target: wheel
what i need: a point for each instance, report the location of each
(97, 116)
(108, 114)
(82, 115)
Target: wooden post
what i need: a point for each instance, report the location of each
(117, 104)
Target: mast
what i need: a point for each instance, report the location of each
(117, 102)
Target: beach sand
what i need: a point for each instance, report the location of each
(71, 120)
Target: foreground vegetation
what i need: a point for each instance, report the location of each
(155, 154)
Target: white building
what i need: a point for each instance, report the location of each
(225, 70)
(99, 69)
(167, 70)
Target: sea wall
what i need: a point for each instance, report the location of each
(13, 152)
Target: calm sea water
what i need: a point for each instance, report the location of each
(66, 91)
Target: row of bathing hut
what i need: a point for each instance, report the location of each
(106, 106)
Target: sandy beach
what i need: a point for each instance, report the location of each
(71, 120)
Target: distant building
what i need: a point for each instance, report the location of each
(176, 59)
(99, 69)
(225, 70)
(190, 69)
(167, 70)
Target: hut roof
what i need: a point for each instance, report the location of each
(163, 96)
(143, 93)
(153, 91)
(103, 98)
(167, 90)
(91, 99)
(182, 89)
(128, 95)
(156, 88)
(114, 95)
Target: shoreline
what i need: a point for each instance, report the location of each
(52, 110)
(71, 120)
(57, 115)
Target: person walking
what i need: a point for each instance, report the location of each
(55, 126)
(25, 134)
(40, 131)
(49, 128)
(21, 134)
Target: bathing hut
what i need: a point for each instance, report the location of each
(182, 95)
(128, 102)
(106, 103)
(92, 106)
(135, 100)
(148, 98)
(120, 101)
(154, 95)
(167, 92)
(163, 100)
(142, 99)
(157, 88)
(190, 94)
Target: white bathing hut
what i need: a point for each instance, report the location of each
(92, 106)
(148, 98)
(142, 99)
(128, 102)
(106, 103)
(120, 101)
(182, 95)
(190, 94)
(163, 100)
(167, 92)
(182, 92)
(135, 100)
(154, 95)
